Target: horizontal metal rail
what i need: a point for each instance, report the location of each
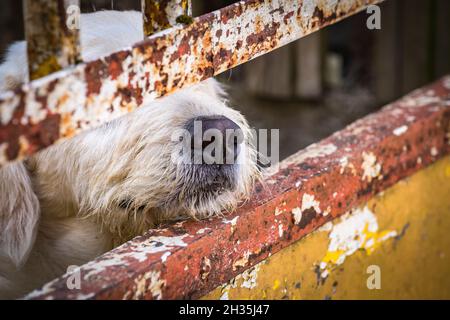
(316, 185)
(68, 102)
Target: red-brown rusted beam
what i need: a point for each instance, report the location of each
(52, 35)
(316, 185)
(159, 15)
(71, 101)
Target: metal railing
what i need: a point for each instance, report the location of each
(69, 101)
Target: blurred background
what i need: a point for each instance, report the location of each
(319, 84)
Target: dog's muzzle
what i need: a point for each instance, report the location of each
(214, 144)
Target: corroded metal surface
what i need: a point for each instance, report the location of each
(396, 246)
(162, 14)
(316, 185)
(52, 37)
(70, 101)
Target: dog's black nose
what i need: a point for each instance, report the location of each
(215, 133)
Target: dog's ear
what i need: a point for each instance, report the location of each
(19, 213)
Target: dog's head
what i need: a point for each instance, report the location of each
(142, 168)
(130, 174)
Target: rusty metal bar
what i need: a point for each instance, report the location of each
(71, 101)
(314, 186)
(159, 15)
(52, 35)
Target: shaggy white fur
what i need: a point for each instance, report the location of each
(80, 198)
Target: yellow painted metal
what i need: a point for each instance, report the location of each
(406, 246)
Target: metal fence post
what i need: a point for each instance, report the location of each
(162, 14)
(52, 35)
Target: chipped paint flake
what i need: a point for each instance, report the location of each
(371, 169)
(225, 295)
(161, 243)
(434, 152)
(309, 202)
(148, 282)
(280, 230)
(139, 252)
(400, 130)
(355, 231)
(297, 213)
(205, 268)
(278, 211)
(203, 230)
(249, 277)
(232, 222)
(242, 262)
(165, 256)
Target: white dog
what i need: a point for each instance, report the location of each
(80, 198)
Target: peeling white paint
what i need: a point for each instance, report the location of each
(161, 243)
(203, 230)
(165, 256)
(250, 277)
(139, 251)
(343, 163)
(206, 267)
(371, 169)
(410, 118)
(434, 152)
(224, 296)
(355, 231)
(278, 211)
(400, 130)
(308, 202)
(155, 285)
(232, 221)
(242, 262)
(280, 230)
(297, 213)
